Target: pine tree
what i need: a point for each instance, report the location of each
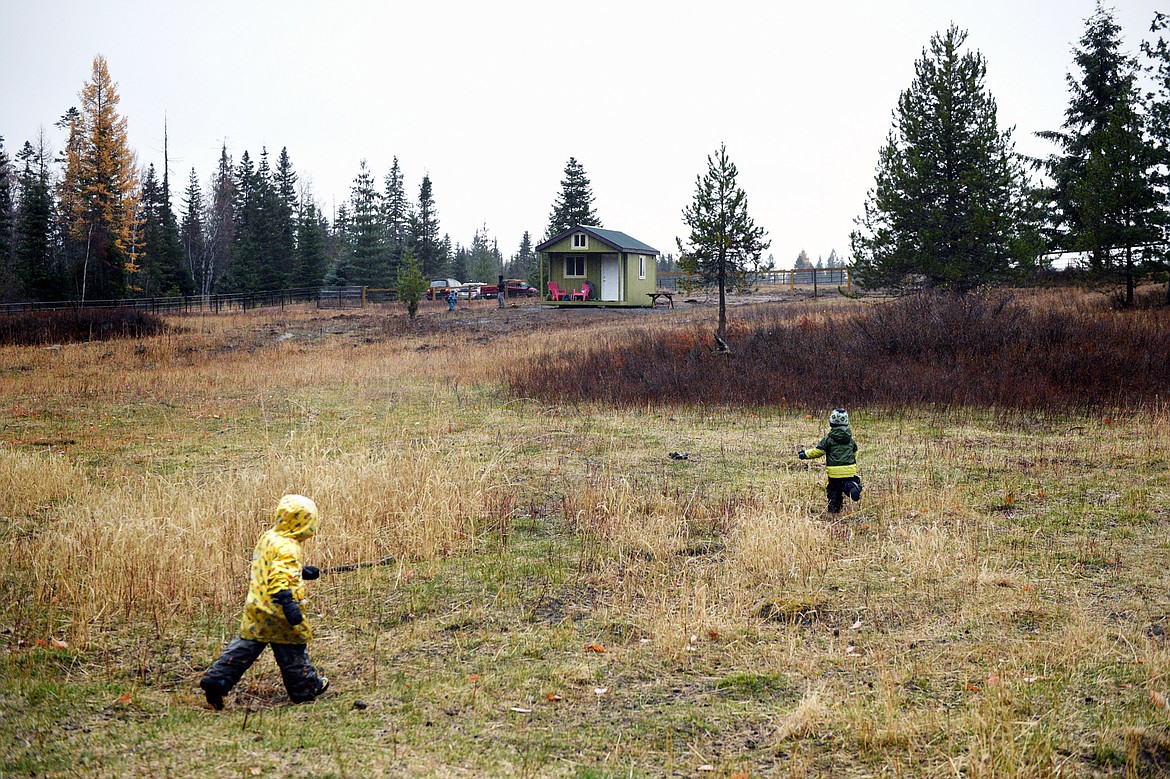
(396, 215)
(221, 226)
(802, 261)
(312, 244)
(523, 262)
(484, 263)
(285, 219)
(367, 235)
(1158, 124)
(1103, 195)
(725, 244)
(9, 286)
(33, 256)
(949, 207)
(98, 192)
(424, 232)
(411, 283)
(574, 204)
(192, 235)
(161, 270)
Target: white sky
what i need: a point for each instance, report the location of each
(492, 98)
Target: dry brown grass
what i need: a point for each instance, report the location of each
(994, 607)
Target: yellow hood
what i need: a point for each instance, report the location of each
(296, 517)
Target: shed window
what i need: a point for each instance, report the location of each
(641, 266)
(580, 241)
(574, 266)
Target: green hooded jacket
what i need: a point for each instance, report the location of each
(839, 449)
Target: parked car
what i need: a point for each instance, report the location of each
(439, 287)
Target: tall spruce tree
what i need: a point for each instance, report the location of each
(428, 246)
(369, 263)
(9, 286)
(396, 215)
(33, 251)
(574, 203)
(99, 190)
(285, 219)
(725, 243)
(523, 262)
(312, 244)
(162, 271)
(1103, 195)
(193, 235)
(1158, 124)
(950, 206)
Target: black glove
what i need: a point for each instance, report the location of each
(310, 572)
(802, 455)
(292, 611)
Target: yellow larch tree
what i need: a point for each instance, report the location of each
(99, 192)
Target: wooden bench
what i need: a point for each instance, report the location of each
(655, 295)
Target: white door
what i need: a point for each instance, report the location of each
(610, 286)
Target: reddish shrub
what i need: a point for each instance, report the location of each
(66, 325)
(929, 349)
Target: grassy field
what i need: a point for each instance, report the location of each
(567, 600)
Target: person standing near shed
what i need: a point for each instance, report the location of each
(501, 291)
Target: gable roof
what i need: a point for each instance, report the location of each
(611, 238)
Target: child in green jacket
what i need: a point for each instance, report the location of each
(840, 451)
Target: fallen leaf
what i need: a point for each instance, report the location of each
(713, 634)
(552, 696)
(1139, 660)
(254, 771)
(600, 690)
(856, 624)
(1030, 679)
(473, 678)
(738, 776)
(706, 768)
(971, 687)
(863, 527)
(58, 644)
(520, 710)
(994, 680)
(595, 648)
(126, 698)
(1158, 699)
(1026, 587)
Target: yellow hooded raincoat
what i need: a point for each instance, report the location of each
(276, 566)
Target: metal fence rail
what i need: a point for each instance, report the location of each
(800, 277)
(186, 304)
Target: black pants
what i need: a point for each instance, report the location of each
(837, 489)
(300, 677)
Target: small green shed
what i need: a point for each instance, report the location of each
(589, 266)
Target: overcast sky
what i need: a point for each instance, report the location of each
(492, 98)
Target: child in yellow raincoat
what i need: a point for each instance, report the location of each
(272, 613)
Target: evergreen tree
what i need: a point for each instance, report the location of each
(460, 265)
(412, 284)
(339, 257)
(285, 219)
(192, 235)
(162, 270)
(396, 215)
(1158, 124)
(220, 226)
(99, 190)
(949, 207)
(485, 265)
(369, 261)
(8, 283)
(1103, 195)
(424, 233)
(725, 244)
(523, 262)
(33, 256)
(574, 204)
(312, 248)
(243, 274)
(802, 261)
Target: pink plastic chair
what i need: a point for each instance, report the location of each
(555, 293)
